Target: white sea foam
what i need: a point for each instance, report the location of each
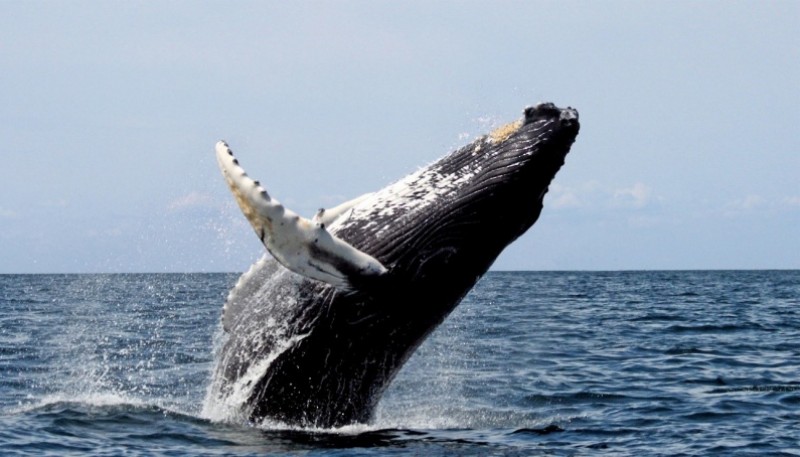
(224, 403)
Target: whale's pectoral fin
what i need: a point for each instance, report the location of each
(299, 244)
(330, 255)
(326, 217)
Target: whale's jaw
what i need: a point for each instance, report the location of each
(303, 352)
(450, 221)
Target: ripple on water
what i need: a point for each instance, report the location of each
(629, 363)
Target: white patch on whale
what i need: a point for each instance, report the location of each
(428, 185)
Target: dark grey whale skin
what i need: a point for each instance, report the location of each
(348, 347)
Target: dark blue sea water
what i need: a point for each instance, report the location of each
(622, 363)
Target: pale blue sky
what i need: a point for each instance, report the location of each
(688, 157)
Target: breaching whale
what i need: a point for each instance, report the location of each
(316, 331)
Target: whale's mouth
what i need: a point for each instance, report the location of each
(527, 152)
(459, 213)
(543, 112)
(509, 179)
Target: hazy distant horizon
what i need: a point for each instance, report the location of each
(488, 272)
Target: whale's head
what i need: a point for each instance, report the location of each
(438, 230)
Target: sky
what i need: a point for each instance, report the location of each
(688, 155)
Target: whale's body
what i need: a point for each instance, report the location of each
(301, 351)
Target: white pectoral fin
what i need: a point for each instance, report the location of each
(326, 216)
(254, 201)
(331, 254)
(299, 244)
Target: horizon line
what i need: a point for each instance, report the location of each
(624, 270)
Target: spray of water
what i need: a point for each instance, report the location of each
(146, 341)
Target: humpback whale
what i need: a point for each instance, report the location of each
(315, 331)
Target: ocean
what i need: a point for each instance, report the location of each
(531, 363)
